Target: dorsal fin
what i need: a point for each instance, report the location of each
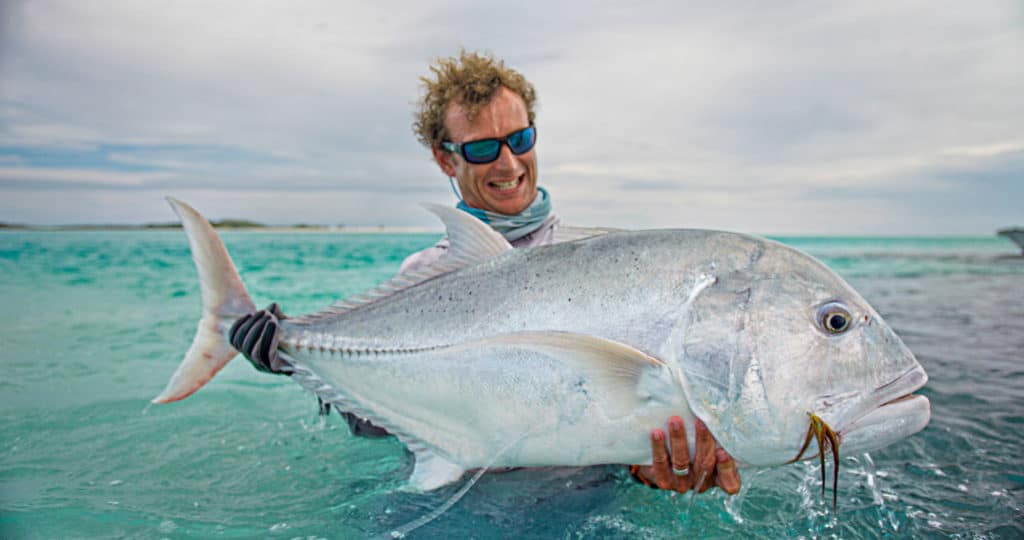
(471, 241)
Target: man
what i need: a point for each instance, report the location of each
(477, 118)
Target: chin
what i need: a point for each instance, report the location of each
(511, 209)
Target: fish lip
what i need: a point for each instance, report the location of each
(892, 393)
(904, 397)
(884, 425)
(906, 384)
(913, 379)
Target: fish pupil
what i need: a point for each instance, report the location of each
(836, 322)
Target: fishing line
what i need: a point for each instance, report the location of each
(451, 181)
(400, 532)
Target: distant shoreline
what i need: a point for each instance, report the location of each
(319, 229)
(229, 226)
(324, 230)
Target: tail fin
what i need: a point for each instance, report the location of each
(224, 300)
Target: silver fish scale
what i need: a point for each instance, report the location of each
(626, 283)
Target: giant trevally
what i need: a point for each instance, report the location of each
(570, 353)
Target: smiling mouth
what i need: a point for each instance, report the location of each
(507, 185)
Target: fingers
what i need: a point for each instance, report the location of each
(240, 329)
(249, 342)
(276, 310)
(726, 476)
(680, 452)
(711, 465)
(256, 336)
(663, 477)
(266, 347)
(276, 362)
(702, 473)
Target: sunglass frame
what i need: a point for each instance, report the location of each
(460, 148)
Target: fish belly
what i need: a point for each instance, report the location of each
(499, 406)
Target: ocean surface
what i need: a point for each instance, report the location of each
(92, 325)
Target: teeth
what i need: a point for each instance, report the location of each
(505, 185)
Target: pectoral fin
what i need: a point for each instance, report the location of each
(624, 375)
(593, 354)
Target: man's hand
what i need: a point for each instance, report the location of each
(671, 467)
(256, 336)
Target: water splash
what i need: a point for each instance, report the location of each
(869, 480)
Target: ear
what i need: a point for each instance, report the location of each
(444, 160)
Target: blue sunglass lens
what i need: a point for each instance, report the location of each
(487, 150)
(481, 151)
(522, 141)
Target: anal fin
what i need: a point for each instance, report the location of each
(432, 471)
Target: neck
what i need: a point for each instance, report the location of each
(514, 227)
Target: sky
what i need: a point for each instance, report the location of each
(814, 118)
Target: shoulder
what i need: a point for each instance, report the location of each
(552, 231)
(424, 257)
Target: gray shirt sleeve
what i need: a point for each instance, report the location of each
(424, 258)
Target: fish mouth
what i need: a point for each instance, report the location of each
(902, 387)
(899, 413)
(894, 420)
(898, 408)
(904, 397)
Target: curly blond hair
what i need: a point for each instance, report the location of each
(471, 80)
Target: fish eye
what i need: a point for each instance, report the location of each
(834, 318)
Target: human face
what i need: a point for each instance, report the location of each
(506, 185)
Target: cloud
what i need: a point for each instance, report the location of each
(27, 177)
(758, 117)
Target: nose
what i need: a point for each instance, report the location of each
(506, 159)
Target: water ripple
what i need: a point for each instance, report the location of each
(103, 318)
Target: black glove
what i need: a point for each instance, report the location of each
(256, 335)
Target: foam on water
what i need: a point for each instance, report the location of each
(95, 323)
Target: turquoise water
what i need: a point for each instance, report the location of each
(94, 323)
